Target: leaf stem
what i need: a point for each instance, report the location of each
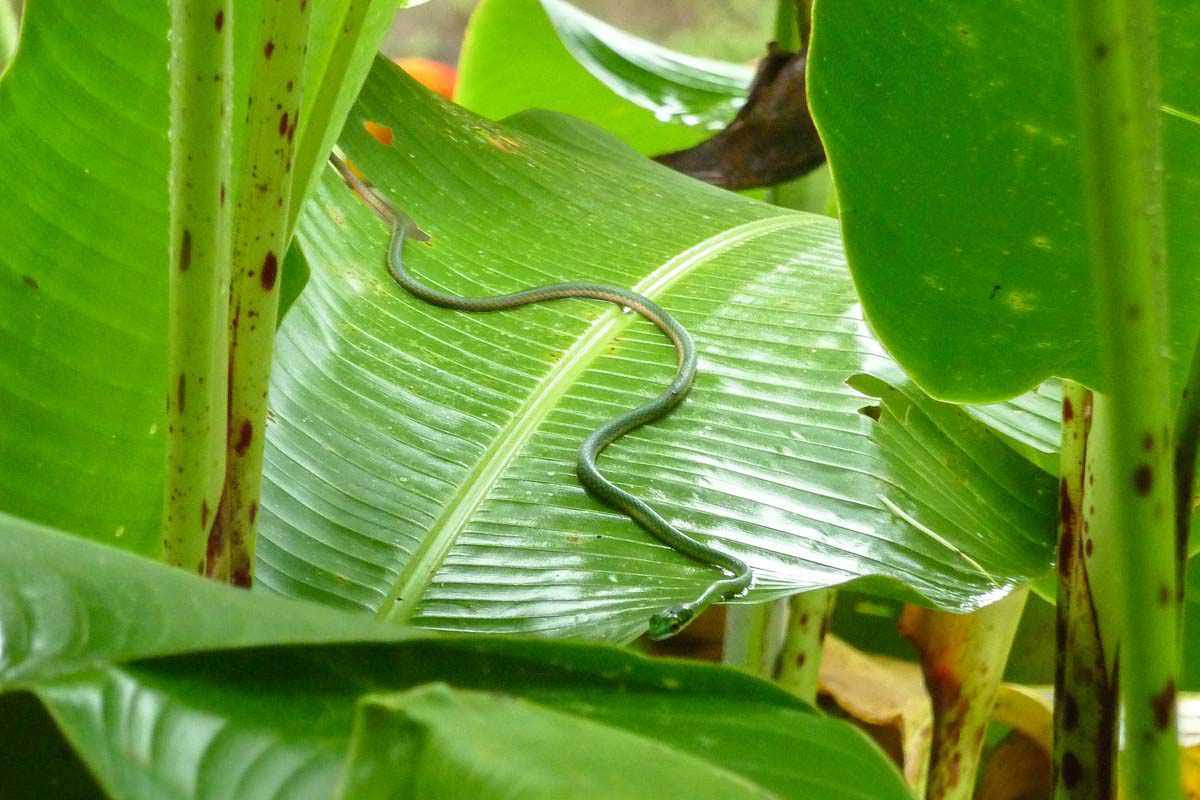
(200, 136)
(1187, 439)
(261, 233)
(1085, 690)
(962, 657)
(1117, 88)
(316, 134)
(800, 660)
(753, 636)
(787, 24)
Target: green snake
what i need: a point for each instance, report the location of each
(736, 577)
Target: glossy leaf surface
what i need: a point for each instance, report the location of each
(421, 461)
(68, 605)
(655, 99)
(175, 687)
(404, 462)
(280, 722)
(952, 135)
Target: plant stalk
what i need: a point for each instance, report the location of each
(1187, 439)
(198, 267)
(1117, 86)
(1085, 679)
(787, 24)
(799, 668)
(804, 17)
(963, 658)
(261, 234)
(312, 151)
(754, 636)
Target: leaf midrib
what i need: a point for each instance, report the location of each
(409, 588)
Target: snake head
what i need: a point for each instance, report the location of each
(670, 622)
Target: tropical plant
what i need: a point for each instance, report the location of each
(207, 365)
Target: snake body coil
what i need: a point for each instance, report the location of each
(737, 576)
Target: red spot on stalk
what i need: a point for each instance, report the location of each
(1163, 705)
(283, 124)
(245, 436)
(203, 515)
(1072, 770)
(944, 686)
(185, 251)
(220, 20)
(253, 513)
(181, 392)
(241, 576)
(1066, 509)
(270, 269)
(1066, 541)
(1070, 712)
(1143, 479)
(215, 547)
(1068, 410)
(268, 48)
(222, 192)
(30, 282)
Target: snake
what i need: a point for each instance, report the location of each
(736, 576)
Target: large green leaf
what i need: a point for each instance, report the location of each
(951, 132)
(173, 687)
(69, 605)
(471, 744)
(403, 480)
(279, 722)
(655, 99)
(420, 464)
(83, 223)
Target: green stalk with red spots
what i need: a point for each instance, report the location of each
(962, 658)
(1116, 78)
(780, 639)
(313, 147)
(260, 239)
(799, 669)
(201, 73)
(1085, 681)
